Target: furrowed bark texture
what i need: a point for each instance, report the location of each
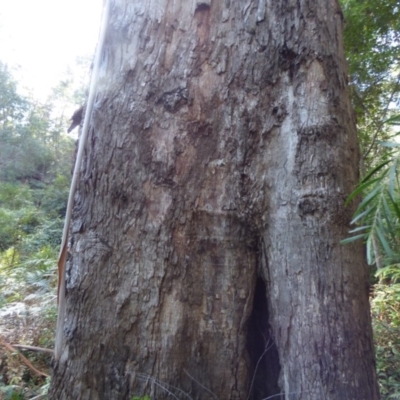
(206, 261)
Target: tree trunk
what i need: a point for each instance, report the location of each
(206, 261)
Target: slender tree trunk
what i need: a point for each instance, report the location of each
(206, 261)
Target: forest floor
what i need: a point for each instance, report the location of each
(23, 372)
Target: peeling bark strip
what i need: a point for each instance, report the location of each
(62, 257)
(206, 259)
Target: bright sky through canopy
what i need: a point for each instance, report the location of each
(44, 37)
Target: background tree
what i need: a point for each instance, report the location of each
(205, 241)
(374, 69)
(372, 43)
(372, 33)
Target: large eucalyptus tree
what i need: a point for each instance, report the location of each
(205, 258)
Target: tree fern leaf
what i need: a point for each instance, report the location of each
(395, 205)
(384, 242)
(360, 189)
(370, 250)
(390, 219)
(363, 214)
(376, 169)
(371, 196)
(353, 239)
(395, 120)
(392, 176)
(360, 228)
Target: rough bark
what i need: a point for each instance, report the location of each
(205, 257)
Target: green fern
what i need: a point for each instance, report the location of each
(378, 215)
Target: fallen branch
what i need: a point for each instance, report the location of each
(24, 359)
(32, 348)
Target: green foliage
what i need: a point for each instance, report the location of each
(23, 157)
(35, 168)
(33, 148)
(391, 273)
(12, 105)
(8, 229)
(372, 33)
(52, 199)
(11, 392)
(386, 324)
(378, 214)
(47, 233)
(14, 196)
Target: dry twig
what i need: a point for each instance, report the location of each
(23, 358)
